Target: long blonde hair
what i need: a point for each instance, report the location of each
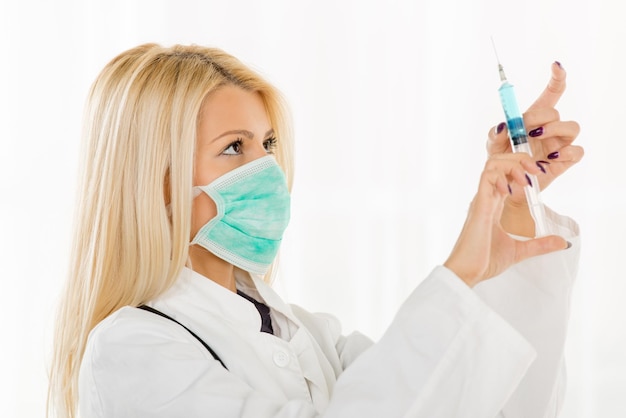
(139, 142)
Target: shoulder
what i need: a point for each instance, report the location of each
(132, 340)
(133, 357)
(132, 327)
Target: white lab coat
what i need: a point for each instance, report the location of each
(451, 351)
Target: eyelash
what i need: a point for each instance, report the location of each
(269, 144)
(238, 143)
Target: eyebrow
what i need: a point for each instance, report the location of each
(243, 132)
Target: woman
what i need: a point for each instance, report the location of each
(184, 200)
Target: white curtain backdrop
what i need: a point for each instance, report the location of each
(391, 101)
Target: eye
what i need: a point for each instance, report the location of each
(270, 145)
(234, 148)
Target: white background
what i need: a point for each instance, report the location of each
(392, 101)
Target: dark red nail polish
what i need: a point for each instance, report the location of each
(559, 64)
(500, 127)
(536, 132)
(541, 167)
(543, 162)
(553, 155)
(530, 183)
(510, 190)
(569, 245)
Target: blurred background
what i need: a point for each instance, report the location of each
(391, 101)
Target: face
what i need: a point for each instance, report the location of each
(233, 130)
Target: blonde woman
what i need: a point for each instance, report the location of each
(184, 199)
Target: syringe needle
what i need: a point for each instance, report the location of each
(493, 43)
(500, 68)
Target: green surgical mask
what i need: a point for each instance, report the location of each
(252, 214)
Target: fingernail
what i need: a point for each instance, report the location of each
(569, 245)
(530, 183)
(559, 64)
(541, 167)
(500, 127)
(553, 155)
(543, 162)
(536, 132)
(510, 190)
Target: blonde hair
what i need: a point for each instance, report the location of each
(140, 132)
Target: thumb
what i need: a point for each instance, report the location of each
(540, 246)
(554, 90)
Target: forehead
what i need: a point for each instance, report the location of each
(231, 107)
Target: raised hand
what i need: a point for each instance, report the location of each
(551, 141)
(484, 248)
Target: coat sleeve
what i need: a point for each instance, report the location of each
(446, 354)
(534, 297)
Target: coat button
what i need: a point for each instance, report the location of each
(281, 359)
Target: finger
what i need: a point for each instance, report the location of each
(539, 246)
(492, 190)
(567, 131)
(520, 159)
(554, 90)
(498, 140)
(502, 185)
(568, 154)
(500, 130)
(539, 117)
(514, 167)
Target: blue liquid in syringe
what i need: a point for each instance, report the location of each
(514, 120)
(517, 130)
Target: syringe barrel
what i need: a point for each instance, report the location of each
(514, 120)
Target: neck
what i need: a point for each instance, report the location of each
(211, 266)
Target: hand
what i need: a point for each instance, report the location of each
(484, 249)
(551, 142)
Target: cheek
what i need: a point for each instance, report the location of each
(202, 211)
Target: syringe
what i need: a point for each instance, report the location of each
(519, 143)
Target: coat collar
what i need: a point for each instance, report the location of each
(195, 296)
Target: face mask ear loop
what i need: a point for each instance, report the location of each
(219, 204)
